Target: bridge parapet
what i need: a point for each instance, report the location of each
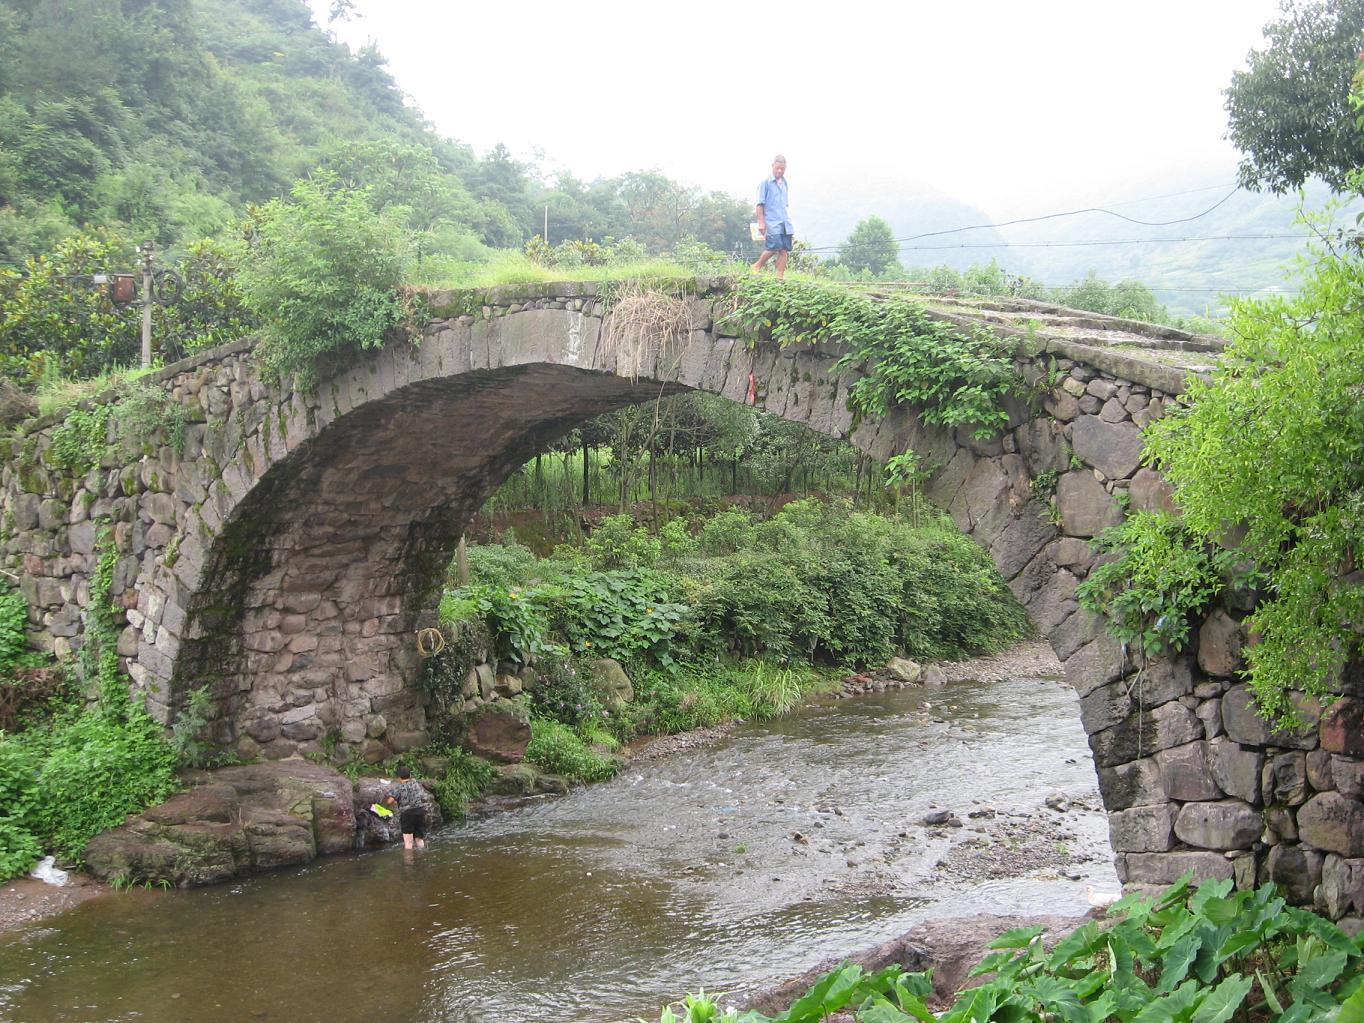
(286, 551)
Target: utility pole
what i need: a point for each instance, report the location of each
(148, 250)
(546, 235)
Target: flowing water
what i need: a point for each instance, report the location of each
(731, 865)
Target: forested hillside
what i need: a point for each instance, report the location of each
(168, 118)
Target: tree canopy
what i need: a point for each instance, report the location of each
(871, 248)
(1289, 110)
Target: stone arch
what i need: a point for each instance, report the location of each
(285, 554)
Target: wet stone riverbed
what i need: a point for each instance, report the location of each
(731, 865)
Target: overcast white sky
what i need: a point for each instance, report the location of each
(1013, 106)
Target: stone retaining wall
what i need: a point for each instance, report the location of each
(285, 557)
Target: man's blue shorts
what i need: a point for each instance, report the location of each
(779, 241)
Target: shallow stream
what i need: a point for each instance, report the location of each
(731, 865)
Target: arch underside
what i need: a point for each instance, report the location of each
(315, 585)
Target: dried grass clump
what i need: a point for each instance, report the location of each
(643, 323)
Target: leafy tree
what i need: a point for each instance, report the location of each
(1274, 445)
(871, 248)
(323, 276)
(1289, 110)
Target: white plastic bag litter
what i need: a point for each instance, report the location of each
(47, 872)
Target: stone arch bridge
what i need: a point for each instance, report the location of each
(286, 553)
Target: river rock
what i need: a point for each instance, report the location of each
(611, 684)
(230, 823)
(499, 731)
(902, 669)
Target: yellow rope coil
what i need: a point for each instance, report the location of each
(430, 642)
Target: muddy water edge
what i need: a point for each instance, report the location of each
(732, 864)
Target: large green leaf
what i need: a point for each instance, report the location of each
(1223, 1000)
(1019, 937)
(1352, 1009)
(1177, 962)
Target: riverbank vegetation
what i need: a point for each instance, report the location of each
(722, 616)
(1205, 955)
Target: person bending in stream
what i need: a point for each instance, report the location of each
(410, 799)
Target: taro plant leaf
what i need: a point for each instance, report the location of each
(1271, 998)
(1171, 1006)
(881, 1011)
(829, 994)
(1237, 944)
(1101, 1008)
(1223, 1000)
(1177, 962)
(1079, 942)
(1208, 891)
(1352, 1009)
(1330, 935)
(1019, 937)
(1318, 974)
(991, 963)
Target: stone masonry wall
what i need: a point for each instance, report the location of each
(285, 558)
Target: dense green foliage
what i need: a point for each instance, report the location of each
(1289, 110)
(65, 780)
(53, 321)
(722, 617)
(1158, 578)
(1205, 956)
(324, 276)
(1273, 448)
(169, 118)
(815, 582)
(953, 377)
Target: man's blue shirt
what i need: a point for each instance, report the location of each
(772, 198)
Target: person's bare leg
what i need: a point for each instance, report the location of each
(781, 263)
(421, 843)
(762, 260)
(407, 841)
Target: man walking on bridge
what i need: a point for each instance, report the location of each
(773, 220)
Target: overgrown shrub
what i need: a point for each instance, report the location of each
(564, 692)
(619, 543)
(323, 276)
(501, 564)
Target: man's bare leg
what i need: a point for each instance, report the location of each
(762, 260)
(781, 263)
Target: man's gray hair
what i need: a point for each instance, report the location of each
(779, 158)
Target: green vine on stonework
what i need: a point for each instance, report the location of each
(953, 376)
(78, 443)
(1153, 579)
(140, 410)
(100, 651)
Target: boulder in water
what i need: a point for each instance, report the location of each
(230, 823)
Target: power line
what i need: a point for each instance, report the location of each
(1055, 216)
(1115, 241)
